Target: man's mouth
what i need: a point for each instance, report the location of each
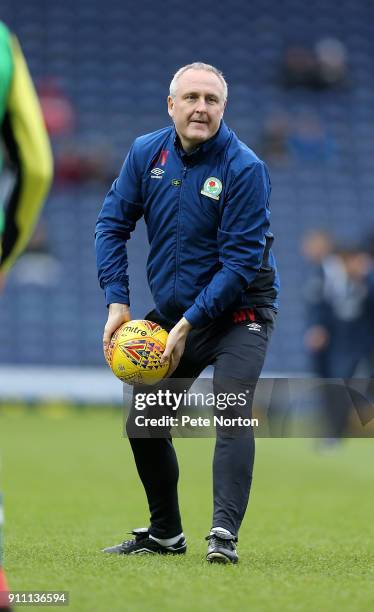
(198, 121)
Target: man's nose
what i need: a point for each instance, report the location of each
(201, 105)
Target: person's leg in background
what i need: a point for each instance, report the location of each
(336, 400)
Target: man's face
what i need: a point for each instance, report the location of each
(197, 108)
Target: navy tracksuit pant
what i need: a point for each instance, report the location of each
(235, 345)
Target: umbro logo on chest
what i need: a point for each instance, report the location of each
(157, 173)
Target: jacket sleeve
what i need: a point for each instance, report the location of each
(241, 243)
(117, 219)
(28, 147)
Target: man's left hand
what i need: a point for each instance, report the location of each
(175, 344)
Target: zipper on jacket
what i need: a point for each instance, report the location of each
(178, 233)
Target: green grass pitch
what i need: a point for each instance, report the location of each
(70, 488)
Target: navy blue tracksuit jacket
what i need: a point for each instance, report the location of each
(207, 216)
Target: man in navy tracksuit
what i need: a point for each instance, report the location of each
(205, 199)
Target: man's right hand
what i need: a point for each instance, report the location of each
(118, 314)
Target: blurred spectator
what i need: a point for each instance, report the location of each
(273, 145)
(300, 68)
(57, 109)
(76, 161)
(301, 137)
(79, 162)
(323, 67)
(340, 334)
(309, 140)
(317, 247)
(340, 302)
(331, 57)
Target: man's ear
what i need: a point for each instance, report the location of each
(170, 106)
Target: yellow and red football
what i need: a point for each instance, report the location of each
(135, 351)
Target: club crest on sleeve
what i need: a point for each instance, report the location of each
(212, 188)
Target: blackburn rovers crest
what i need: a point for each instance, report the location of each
(212, 188)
